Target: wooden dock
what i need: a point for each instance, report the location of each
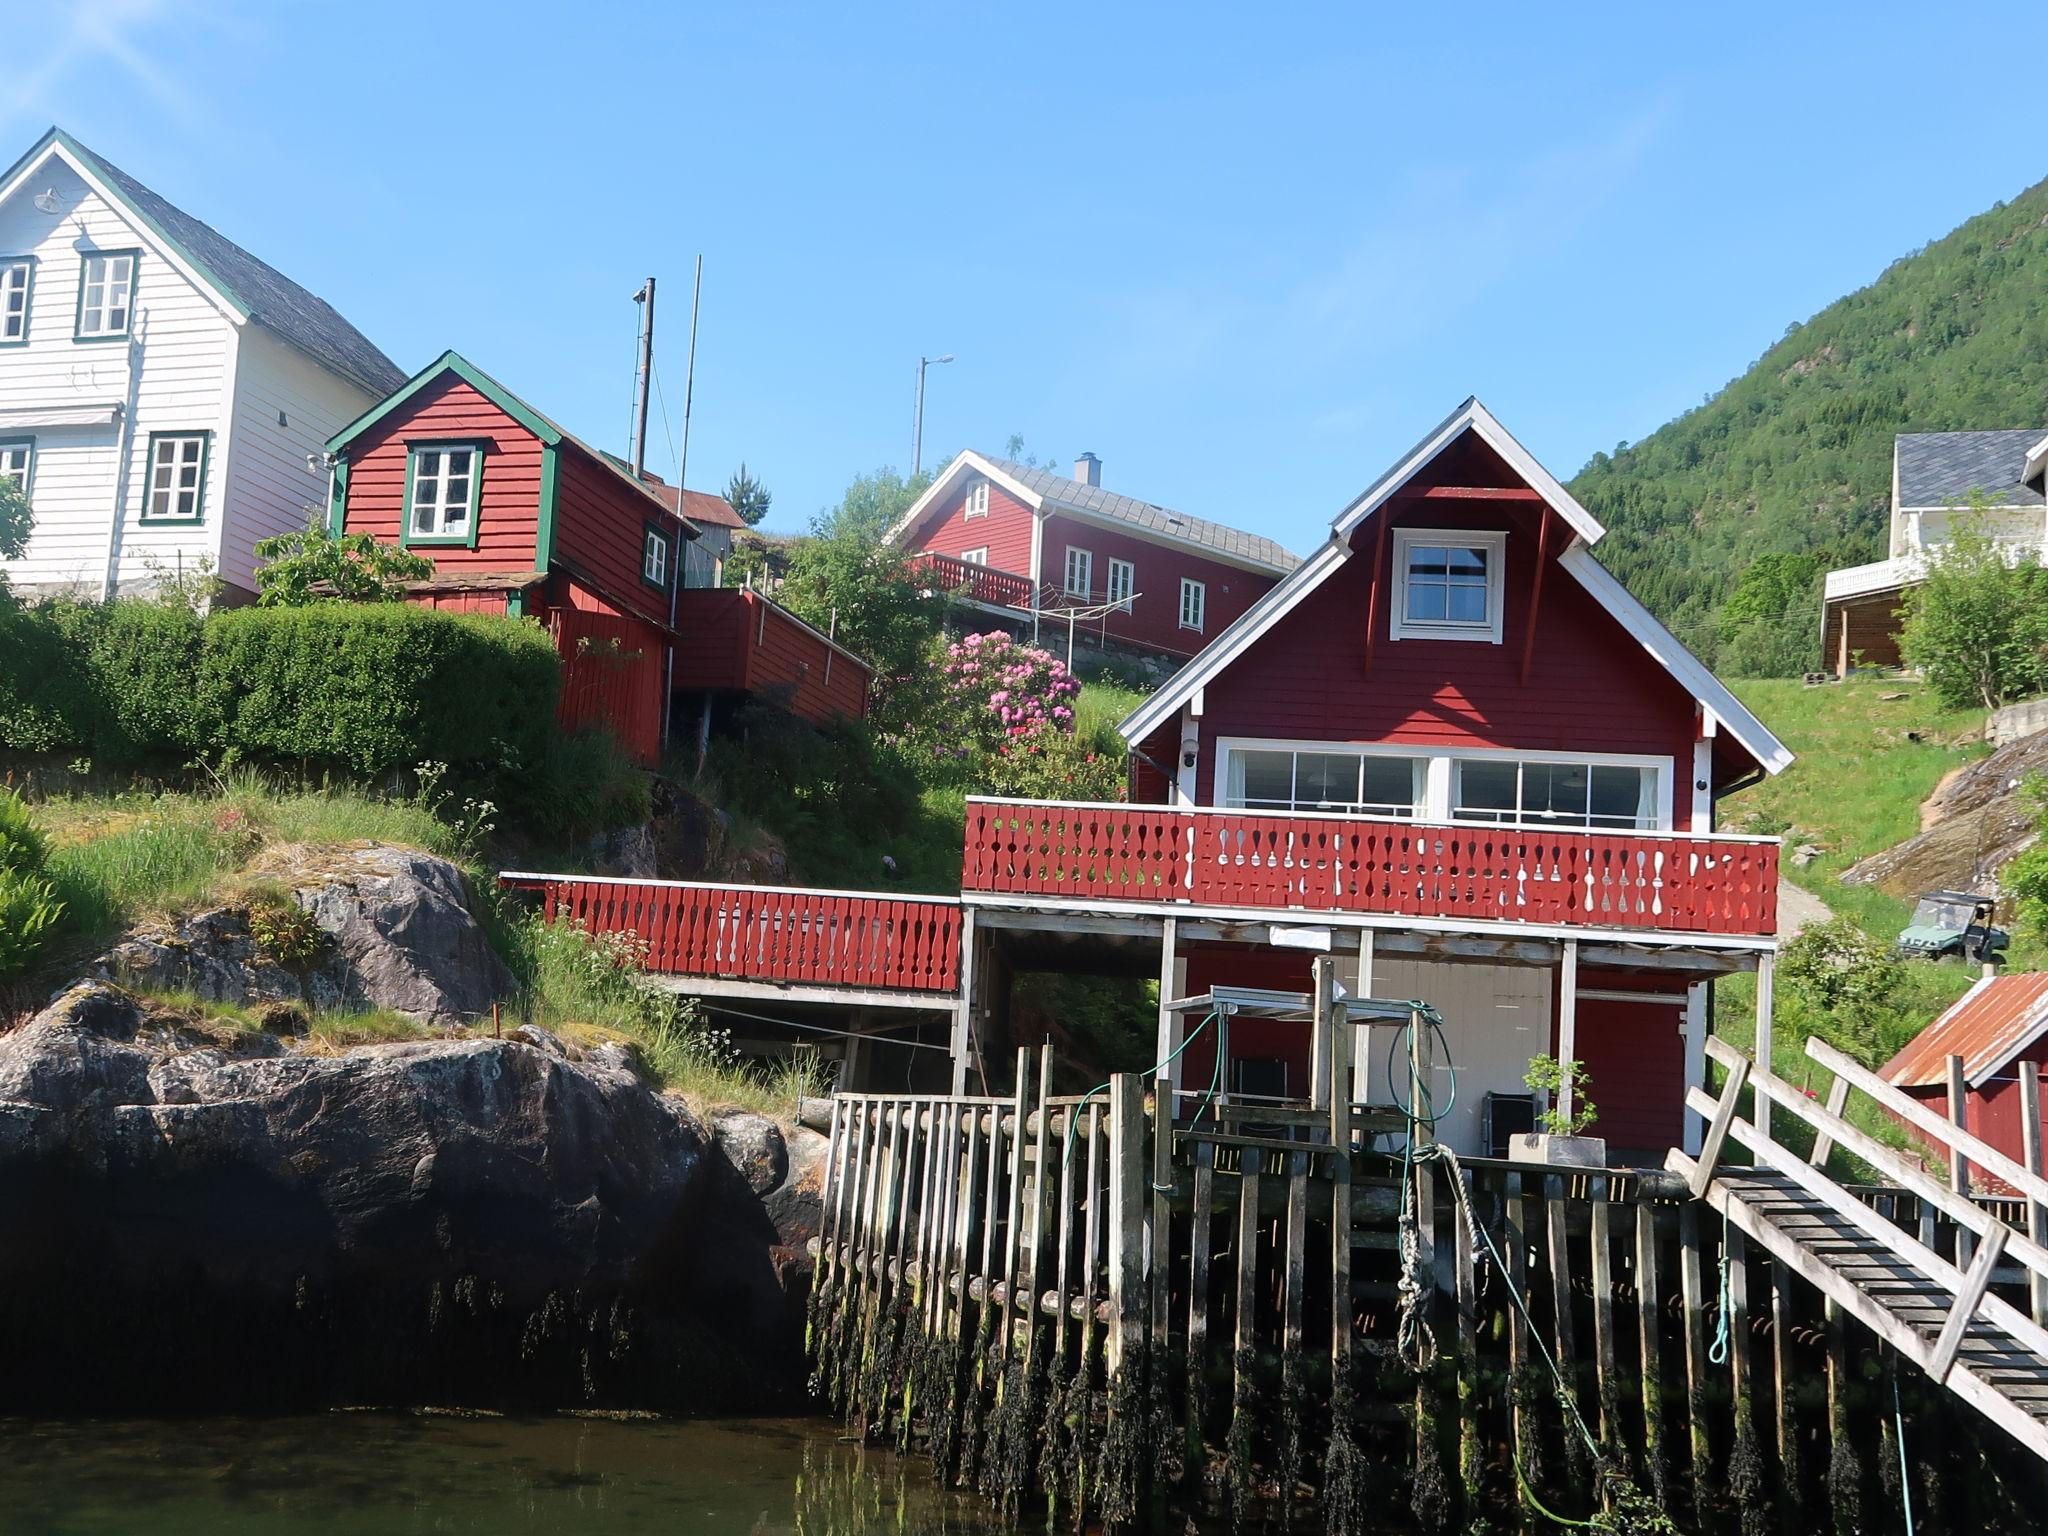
(1074, 1306)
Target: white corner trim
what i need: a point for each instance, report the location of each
(1401, 627)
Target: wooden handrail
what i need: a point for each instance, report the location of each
(1966, 1213)
(1975, 1284)
(1918, 1115)
(1894, 1237)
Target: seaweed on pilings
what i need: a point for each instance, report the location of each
(1626, 1509)
(1168, 1452)
(1122, 1477)
(1530, 1397)
(1344, 1464)
(916, 1370)
(1845, 1487)
(1238, 1469)
(1292, 1409)
(1196, 1432)
(1058, 1446)
(1746, 1482)
(1006, 1469)
(942, 1414)
(1429, 1494)
(974, 1397)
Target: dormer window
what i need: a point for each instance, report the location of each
(656, 556)
(441, 481)
(106, 296)
(17, 275)
(977, 500)
(1450, 584)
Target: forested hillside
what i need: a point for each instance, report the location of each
(1795, 455)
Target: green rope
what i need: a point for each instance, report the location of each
(1905, 1473)
(1529, 1494)
(1166, 1113)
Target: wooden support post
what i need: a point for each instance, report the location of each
(1525, 1424)
(1968, 1299)
(1823, 1143)
(1693, 1305)
(1471, 1446)
(1650, 1333)
(1244, 1350)
(1695, 1059)
(1559, 1264)
(2037, 1210)
(1605, 1363)
(1783, 1372)
(963, 1011)
(1766, 1014)
(1126, 1216)
(1716, 1140)
(1020, 1108)
(1958, 1165)
(1094, 1242)
(1361, 1060)
(1199, 1244)
(1567, 1023)
(1739, 1347)
(1839, 1429)
(1293, 1265)
(1163, 1180)
(1421, 1075)
(1321, 1034)
(1040, 1193)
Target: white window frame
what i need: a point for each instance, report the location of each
(25, 475)
(104, 308)
(974, 556)
(655, 556)
(1084, 561)
(1418, 755)
(1436, 804)
(163, 475)
(1494, 542)
(1123, 583)
(976, 504)
(470, 509)
(1199, 609)
(17, 284)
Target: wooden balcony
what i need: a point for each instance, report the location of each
(774, 934)
(976, 583)
(1666, 882)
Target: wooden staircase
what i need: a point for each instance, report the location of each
(1943, 1316)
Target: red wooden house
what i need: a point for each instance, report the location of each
(1998, 1027)
(1031, 547)
(520, 517)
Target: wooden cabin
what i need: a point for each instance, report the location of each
(1998, 1029)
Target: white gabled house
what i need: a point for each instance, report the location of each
(164, 395)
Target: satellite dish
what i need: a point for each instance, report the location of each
(47, 201)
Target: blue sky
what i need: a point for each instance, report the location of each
(1246, 254)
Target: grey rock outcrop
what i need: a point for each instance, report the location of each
(398, 934)
(1972, 824)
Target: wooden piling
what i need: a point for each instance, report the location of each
(1650, 1326)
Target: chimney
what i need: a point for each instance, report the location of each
(1088, 469)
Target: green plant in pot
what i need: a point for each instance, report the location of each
(1560, 1136)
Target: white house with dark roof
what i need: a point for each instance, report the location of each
(164, 394)
(1934, 477)
(1024, 543)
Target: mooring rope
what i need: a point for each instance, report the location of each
(1717, 1352)
(1153, 1071)
(1905, 1472)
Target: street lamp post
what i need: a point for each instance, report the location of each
(917, 425)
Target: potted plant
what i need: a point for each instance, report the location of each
(1558, 1137)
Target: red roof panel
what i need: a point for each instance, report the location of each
(1987, 1026)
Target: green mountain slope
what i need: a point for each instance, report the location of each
(1796, 454)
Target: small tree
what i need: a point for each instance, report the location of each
(1978, 626)
(1548, 1075)
(748, 497)
(316, 565)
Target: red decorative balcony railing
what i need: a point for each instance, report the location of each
(767, 933)
(981, 583)
(1663, 881)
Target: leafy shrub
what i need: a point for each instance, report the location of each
(583, 782)
(23, 849)
(1845, 986)
(1548, 1075)
(50, 700)
(29, 907)
(287, 933)
(143, 656)
(366, 689)
(1052, 766)
(316, 565)
(1977, 628)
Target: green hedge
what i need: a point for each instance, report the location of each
(346, 688)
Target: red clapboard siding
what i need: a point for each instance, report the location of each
(1634, 1056)
(600, 529)
(614, 673)
(766, 933)
(1006, 531)
(459, 602)
(509, 497)
(1157, 569)
(735, 640)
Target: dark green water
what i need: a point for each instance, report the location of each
(380, 1474)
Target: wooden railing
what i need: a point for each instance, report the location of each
(981, 583)
(1664, 881)
(767, 933)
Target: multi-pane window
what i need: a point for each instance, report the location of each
(106, 294)
(176, 491)
(974, 556)
(442, 505)
(654, 558)
(1555, 794)
(16, 274)
(977, 500)
(1080, 576)
(1450, 584)
(1123, 583)
(1194, 603)
(1356, 783)
(18, 462)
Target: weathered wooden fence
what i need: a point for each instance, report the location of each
(1061, 1306)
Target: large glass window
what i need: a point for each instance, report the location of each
(441, 507)
(1354, 783)
(1554, 794)
(106, 294)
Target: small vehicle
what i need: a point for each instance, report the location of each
(1952, 923)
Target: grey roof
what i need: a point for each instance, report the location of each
(1161, 521)
(1936, 468)
(298, 318)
